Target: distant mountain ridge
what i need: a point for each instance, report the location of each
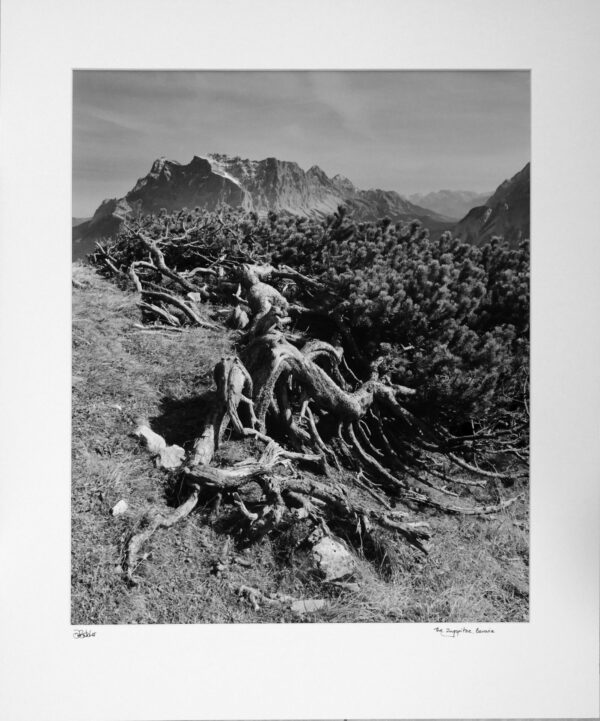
(451, 203)
(506, 213)
(283, 186)
(255, 185)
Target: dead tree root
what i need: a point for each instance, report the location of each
(363, 447)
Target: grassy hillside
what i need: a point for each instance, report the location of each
(477, 569)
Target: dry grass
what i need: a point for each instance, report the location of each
(477, 570)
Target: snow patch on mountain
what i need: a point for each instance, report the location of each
(218, 167)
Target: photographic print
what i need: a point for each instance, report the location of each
(300, 346)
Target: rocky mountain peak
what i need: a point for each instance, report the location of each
(159, 164)
(208, 181)
(518, 184)
(506, 213)
(319, 173)
(343, 183)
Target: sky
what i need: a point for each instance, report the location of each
(409, 131)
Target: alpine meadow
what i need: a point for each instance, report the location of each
(295, 399)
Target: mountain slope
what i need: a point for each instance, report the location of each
(451, 203)
(259, 186)
(105, 222)
(505, 214)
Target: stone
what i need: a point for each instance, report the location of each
(119, 508)
(169, 457)
(332, 560)
(308, 605)
(154, 442)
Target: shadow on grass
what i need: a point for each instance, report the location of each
(179, 423)
(181, 419)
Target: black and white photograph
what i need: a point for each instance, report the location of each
(299, 352)
(300, 346)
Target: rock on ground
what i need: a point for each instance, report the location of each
(333, 561)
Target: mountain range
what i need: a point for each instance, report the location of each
(283, 186)
(255, 185)
(450, 203)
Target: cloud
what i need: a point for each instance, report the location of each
(399, 130)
